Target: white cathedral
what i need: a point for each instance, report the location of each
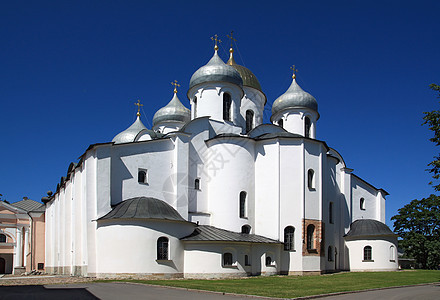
(213, 192)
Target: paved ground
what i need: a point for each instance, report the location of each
(421, 292)
(66, 288)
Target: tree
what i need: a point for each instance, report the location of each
(418, 224)
(432, 118)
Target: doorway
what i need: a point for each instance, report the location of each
(2, 265)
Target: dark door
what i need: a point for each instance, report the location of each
(2, 266)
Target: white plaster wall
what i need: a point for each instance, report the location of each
(211, 254)
(294, 120)
(253, 100)
(231, 170)
(130, 246)
(167, 127)
(267, 189)
(380, 254)
(313, 152)
(291, 200)
(210, 100)
(361, 190)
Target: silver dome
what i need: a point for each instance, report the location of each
(173, 111)
(129, 134)
(216, 70)
(295, 96)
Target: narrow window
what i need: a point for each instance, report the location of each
(392, 254)
(249, 120)
(362, 204)
(330, 212)
(142, 176)
(311, 179)
(227, 259)
(162, 248)
(247, 262)
(227, 107)
(243, 204)
(367, 253)
(2, 238)
(330, 253)
(195, 107)
(40, 266)
(268, 261)
(197, 184)
(307, 125)
(246, 229)
(280, 123)
(289, 234)
(310, 238)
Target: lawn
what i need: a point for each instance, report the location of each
(298, 286)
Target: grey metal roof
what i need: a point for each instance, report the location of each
(129, 134)
(295, 96)
(173, 111)
(215, 70)
(143, 208)
(213, 234)
(368, 227)
(27, 205)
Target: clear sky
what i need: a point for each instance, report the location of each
(70, 72)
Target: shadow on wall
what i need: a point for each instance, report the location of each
(40, 292)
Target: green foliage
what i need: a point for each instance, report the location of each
(418, 224)
(300, 286)
(432, 118)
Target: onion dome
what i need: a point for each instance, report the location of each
(174, 111)
(129, 134)
(249, 79)
(368, 227)
(216, 71)
(143, 208)
(295, 96)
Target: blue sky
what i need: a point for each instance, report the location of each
(70, 72)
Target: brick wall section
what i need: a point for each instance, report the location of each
(318, 238)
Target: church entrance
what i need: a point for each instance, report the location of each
(2, 266)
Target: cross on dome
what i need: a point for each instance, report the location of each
(216, 40)
(175, 85)
(138, 104)
(231, 38)
(294, 70)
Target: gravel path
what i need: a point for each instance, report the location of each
(42, 280)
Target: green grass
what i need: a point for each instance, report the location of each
(298, 286)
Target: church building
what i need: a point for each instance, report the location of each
(213, 192)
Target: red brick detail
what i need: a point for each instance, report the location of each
(318, 238)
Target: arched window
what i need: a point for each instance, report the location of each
(368, 253)
(311, 179)
(362, 203)
(246, 229)
(2, 238)
(249, 120)
(330, 253)
(142, 176)
(197, 184)
(268, 261)
(330, 212)
(162, 248)
(310, 237)
(247, 262)
(307, 125)
(289, 234)
(243, 204)
(281, 123)
(392, 253)
(227, 259)
(227, 107)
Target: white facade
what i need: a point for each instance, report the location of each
(279, 184)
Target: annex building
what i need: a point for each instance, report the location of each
(212, 191)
